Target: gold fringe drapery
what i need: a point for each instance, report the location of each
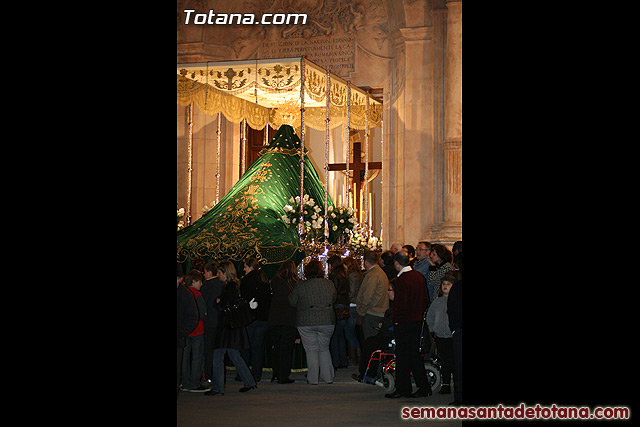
(252, 89)
(211, 102)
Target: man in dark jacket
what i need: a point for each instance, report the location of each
(410, 300)
(381, 341)
(187, 318)
(454, 310)
(211, 289)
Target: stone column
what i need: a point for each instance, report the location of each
(453, 76)
(409, 168)
(452, 226)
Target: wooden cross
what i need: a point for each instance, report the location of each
(358, 168)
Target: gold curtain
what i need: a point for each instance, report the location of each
(230, 90)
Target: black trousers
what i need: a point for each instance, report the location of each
(408, 359)
(283, 339)
(457, 365)
(445, 353)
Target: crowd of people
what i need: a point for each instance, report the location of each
(340, 317)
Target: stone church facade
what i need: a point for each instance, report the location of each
(408, 51)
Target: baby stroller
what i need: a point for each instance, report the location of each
(384, 375)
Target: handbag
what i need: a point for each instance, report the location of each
(240, 314)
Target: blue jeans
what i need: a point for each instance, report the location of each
(192, 362)
(338, 345)
(254, 356)
(350, 329)
(219, 371)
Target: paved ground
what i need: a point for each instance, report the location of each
(343, 403)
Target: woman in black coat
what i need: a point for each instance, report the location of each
(229, 340)
(254, 287)
(282, 322)
(338, 345)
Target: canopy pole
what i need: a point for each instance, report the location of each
(218, 159)
(381, 172)
(326, 165)
(345, 187)
(301, 221)
(190, 160)
(349, 146)
(243, 163)
(366, 170)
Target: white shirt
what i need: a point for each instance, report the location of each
(404, 270)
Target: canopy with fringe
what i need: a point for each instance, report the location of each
(256, 89)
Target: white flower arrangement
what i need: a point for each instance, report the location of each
(313, 221)
(359, 242)
(180, 215)
(342, 219)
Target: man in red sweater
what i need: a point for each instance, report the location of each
(410, 300)
(194, 346)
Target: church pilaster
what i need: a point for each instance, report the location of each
(453, 76)
(453, 183)
(450, 229)
(410, 136)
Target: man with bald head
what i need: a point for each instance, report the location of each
(396, 247)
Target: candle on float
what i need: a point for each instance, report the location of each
(345, 188)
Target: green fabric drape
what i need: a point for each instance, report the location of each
(247, 221)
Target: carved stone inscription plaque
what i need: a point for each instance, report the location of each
(337, 53)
